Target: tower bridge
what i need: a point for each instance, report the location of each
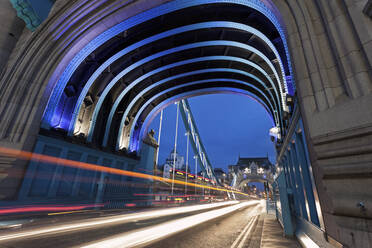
(248, 170)
(80, 82)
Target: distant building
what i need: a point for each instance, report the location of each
(252, 166)
(221, 175)
(174, 157)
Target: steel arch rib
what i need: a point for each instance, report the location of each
(203, 25)
(175, 77)
(139, 95)
(186, 84)
(167, 52)
(147, 103)
(185, 95)
(229, 58)
(223, 80)
(140, 18)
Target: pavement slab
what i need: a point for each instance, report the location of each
(272, 235)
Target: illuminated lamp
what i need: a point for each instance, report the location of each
(289, 100)
(275, 132)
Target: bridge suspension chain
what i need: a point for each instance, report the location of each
(159, 136)
(195, 140)
(187, 158)
(175, 147)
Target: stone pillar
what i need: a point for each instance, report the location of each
(148, 152)
(11, 29)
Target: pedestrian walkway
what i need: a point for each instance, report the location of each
(272, 235)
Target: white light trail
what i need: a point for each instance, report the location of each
(148, 235)
(119, 219)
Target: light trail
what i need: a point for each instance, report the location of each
(86, 166)
(46, 208)
(69, 212)
(148, 235)
(119, 219)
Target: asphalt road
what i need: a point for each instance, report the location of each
(213, 232)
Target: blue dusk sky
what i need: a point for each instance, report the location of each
(228, 124)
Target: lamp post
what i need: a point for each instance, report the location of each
(187, 159)
(196, 170)
(160, 125)
(175, 146)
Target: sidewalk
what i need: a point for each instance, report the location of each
(272, 235)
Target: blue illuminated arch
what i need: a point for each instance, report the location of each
(134, 139)
(229, 58)
(222, 80)
(203, 25)
(167, 52)
(143, 92)
(142, 17)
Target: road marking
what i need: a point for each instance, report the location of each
(248, 232)
(234, 245)
(241, 239)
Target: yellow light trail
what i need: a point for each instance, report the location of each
(86, 166)
(68, 212)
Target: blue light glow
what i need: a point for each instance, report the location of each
(142, 17)
(134, 145)
(223, 89)
(215, 24)
(196, 82)
(163, 53)
(229, 58)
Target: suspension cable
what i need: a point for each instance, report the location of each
(196, 171)
(175, 146)
(159, 135)
(187, 160)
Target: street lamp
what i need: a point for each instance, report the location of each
(196, 170)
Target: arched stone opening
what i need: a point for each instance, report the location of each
(113, 75)
(332, 73)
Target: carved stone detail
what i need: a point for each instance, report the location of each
(26, 12)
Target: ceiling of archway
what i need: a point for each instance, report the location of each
(220, 46)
